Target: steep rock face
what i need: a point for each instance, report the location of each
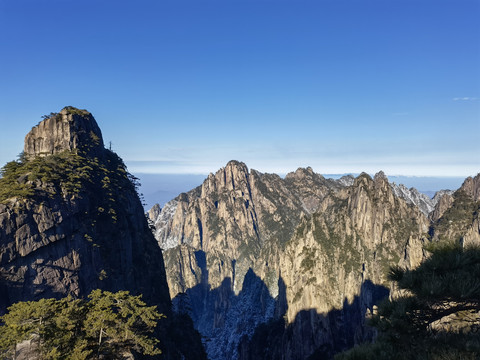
(52, 246)
(68, 130)
(414, 197)
(346, 180)
(365, 229)
(443, 200)
(76, 225)
(154, 212)
(471, 187)
(338, 261)
(429, 206)
(317, 245)
(234, 213)
(460, 214)
(234, 223)
(334, 267)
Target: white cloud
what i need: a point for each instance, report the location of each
(466, 98)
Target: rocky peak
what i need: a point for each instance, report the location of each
(304, 175)
(456, 217)
(414, 197)
(441, 193)
(380, 180)
(363, 181)
(346, 180)
(301, 173)
(235, 172)
(380, 176)
(309, 187)
(154, 212)
(443, 201)
(233, 177)
(363, 178)
(382, 188)
(68, 130)
(471, 186)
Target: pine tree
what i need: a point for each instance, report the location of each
(108, 325)
(438, 314)
(119, 322)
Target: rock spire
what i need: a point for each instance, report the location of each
(67, 130)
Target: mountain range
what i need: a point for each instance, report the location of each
(248, 265)
(304, 254)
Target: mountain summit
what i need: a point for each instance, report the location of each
(70, 129)
(71, 221)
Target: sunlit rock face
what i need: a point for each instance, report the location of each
(471, 187)
(68, 130)
(414, 197)
(457, 217)
(321, 249)
(443, 200)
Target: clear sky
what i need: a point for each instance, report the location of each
(185, 86)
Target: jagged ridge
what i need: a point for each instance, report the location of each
(293, 231)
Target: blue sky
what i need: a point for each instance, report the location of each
(186, 86)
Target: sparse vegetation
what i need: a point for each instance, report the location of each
(74, 110)
(308, 261)
(67, 175)
(51, 115)
(63, 173)
(298, 295)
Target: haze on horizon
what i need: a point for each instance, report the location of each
(185, 86)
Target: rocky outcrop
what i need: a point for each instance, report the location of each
(471, 187)
(54, 246)
(72, 234)
(443, 200)
(364, 230)
(154, 212)
(346, 180)
(426, 205)
(68, 130)
(414, 197)
(457, 216)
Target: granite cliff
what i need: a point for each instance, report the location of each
(71, 221)
(289, 268)
(457, 216)
(70, 129)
